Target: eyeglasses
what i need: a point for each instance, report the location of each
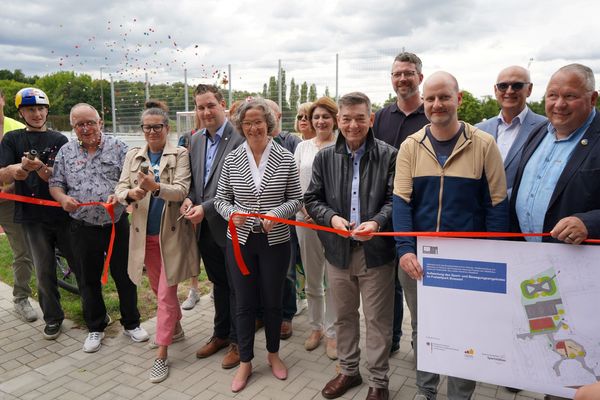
(85, 125)
(250, 124)
(516, 86)
(149, 128)
(300, 117)
(407, 74)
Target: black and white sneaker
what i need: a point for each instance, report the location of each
(52, 330)
(159, 371)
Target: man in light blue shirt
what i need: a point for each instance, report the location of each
(557, 187)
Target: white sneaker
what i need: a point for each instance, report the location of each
(93, 342)
(192, 299)
(25, 311)
(138, 334)
(301, 305)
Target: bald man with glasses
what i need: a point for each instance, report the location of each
(513, 126)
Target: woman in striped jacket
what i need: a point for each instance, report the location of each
(260, 176)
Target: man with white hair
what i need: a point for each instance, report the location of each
(87, 169)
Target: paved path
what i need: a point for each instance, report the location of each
(34, 368)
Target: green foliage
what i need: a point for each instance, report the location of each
(304, 92)
(470, 110)
(294, 96)
(489, 107)
(312, 93)
(391, 99)
(539, 107)
(10, 89)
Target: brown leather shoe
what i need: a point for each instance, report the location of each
(212, 346)
(378, 394)
(340, 385)
(232, 357)
(286, 330)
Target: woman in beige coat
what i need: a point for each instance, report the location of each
(158, 240)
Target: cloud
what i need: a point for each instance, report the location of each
(473, 39)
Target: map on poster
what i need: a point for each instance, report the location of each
(518, 314)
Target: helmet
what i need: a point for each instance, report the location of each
(31, 97)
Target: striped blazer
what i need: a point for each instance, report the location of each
(279, 192)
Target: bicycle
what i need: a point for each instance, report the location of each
(65, 276)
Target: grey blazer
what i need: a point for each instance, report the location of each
(511, 163)
(204, 192)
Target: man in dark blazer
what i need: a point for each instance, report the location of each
(208, 150)
(557, 187)
(513, 126)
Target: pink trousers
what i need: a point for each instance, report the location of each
(168, 312)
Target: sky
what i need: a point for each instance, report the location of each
(472, 39)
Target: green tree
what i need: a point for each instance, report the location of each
(489, 107)
(294, 96)
(538, 107)
(470, 110)
(312, 93)
(10, 88)
(272, 90)
(304, 92)
(65, 89)
(391, 99)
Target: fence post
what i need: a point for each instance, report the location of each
(337, 74)
(112, 104)
(230, 86)
(147, 88)
(185, 88)
(279, 85)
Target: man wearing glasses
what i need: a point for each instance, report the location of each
(512, 127)
(395, 123)
(87, 169)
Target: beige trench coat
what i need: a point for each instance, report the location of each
(178, 246)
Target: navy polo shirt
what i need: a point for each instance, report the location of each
(393, 126)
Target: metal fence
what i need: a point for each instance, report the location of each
(333, 76)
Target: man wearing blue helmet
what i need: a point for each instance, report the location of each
(26, 158)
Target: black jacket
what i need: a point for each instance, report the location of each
(329, 194)
(577, 192)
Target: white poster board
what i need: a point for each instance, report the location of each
(518, 314)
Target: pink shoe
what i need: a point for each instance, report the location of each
(239, 385)
(280, 374)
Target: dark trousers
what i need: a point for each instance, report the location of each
(213, 257)
(267, 266)
(398, 309)
(89, 246)
(43, 239)
(289, 287)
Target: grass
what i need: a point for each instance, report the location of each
(72, 303)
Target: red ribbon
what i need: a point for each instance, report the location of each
(244, 269)
(50, 203)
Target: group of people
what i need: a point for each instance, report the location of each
(412, 166)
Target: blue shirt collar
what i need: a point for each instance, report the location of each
(360, 151)
(577, 132)
(219, 132)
